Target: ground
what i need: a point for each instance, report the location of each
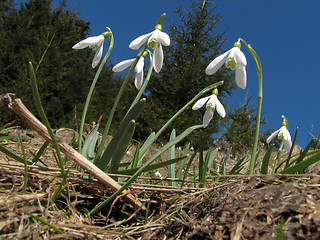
(229, 207)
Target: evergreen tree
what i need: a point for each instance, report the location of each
(44, 34)
(195, 41)
(240, 125)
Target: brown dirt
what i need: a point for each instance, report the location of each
(238, 207)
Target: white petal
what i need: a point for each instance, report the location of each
(212, 100)
(97, 56)
(200, 103)
(164, 39)
(273, 135)
(138, 80)
(157, 58)
(239, 57)
(88, 42)
(217, 63)
(137, 43)
(207, 117)
(140, 65)
(122, 65)
(220, 109)
(287, 145)
(286, 138)
(241, 77)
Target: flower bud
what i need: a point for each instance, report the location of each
(237, 44)
(285, 122)
(215, 92)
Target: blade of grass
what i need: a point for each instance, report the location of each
(12, 155)
(36, 218)
(43, 116)
(238, 167)
(37, 156)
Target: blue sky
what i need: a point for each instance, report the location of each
(284, 33)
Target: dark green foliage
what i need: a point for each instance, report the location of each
(44, 34)
(240, 125)
(195, 41)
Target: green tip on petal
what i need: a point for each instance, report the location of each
(285, 122)
(144, 54)
(237, 44)
(215, 92)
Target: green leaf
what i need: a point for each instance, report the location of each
(209, 158)
(146, 146)
(58, 230)
(181, 164)
(12, 155)
(141, 169)
(122, 146)
(133, 114)
(238, 167)
(224, 162)
(135, 160)
(301, 166)
(90, 143)
(37, 156)
(266, 160)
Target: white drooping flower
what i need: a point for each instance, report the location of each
(283, 134)
(138, 80)
(155, 39)
(158, 174)
(235, 60)
(213, 103)
(96, 43)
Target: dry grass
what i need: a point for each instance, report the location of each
(234, 207)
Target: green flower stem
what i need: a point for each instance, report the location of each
(205, 90)
(116, 102)
(277, 159)
(146, 81)
(84, 113)
(259, 72)
(44, 118)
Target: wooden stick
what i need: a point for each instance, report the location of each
(20, 109)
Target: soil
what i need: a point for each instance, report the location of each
(229, 207)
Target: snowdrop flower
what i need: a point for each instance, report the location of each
(155, 39)
(235, 60)
(138, 80)
(212, 104)
(158, 174)
(96, 43)
(282, 134)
